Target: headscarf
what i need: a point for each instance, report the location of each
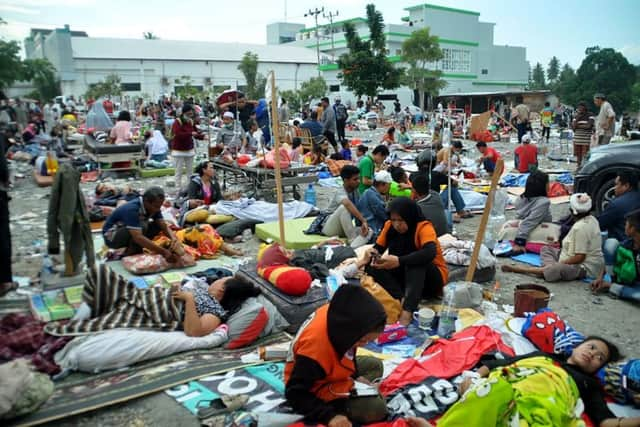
(410, 212)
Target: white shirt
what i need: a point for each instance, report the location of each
(606, 112)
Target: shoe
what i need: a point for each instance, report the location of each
(361, 240)
(223, 405)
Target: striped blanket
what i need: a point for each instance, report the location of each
(116, 303)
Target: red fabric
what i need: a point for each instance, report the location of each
(528, 155)
(290, 280)
(450, 358)
(22, 335)
(541, 330)
(556, 189)
(251, 333)
(400, 422)
(273, 255)
(108, 106)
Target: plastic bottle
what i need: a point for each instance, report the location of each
(47, 268)
(448, 315)
(310, 195)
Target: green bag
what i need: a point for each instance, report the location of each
(625, 266)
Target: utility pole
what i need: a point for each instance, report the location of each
(315, 14)
(330, 16)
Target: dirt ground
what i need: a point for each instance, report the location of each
(605, 316)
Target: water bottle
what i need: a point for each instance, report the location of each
(47, 268)
(448, 315)
(310, 195)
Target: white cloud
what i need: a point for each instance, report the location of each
(18, 9)
(632, 53)
(50, 3)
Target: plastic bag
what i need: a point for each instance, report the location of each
(465, 294)
(145, 263)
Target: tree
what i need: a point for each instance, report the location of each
(111, 86)
(185, 90)
(10, 64)
(605, 71)
(148, 35)
(366, 69)
(553, 71)
(43, 75)
(315, 87)
(421, 51)
(256, 82)
(538, 77)
(566, 82)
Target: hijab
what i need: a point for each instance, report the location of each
(410, 212)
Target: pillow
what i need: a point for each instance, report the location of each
(290, 280)
(219, 219)
(276, 322)
(196, 216)
(272, 255)
(246, 324)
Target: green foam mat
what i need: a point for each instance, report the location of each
(154, 173)
(293, 233)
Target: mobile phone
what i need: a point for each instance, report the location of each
(375, 257)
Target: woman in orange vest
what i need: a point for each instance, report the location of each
(322, 366)
(414, 267)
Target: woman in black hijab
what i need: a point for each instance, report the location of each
(414, 267)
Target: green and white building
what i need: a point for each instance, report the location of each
(472, 63)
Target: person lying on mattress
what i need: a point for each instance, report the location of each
(135, 224)
(322, 367)
(414, 267)
(537, 389)
(206, 307)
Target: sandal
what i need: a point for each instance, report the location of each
(224, 404)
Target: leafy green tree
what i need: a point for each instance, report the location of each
(553, 70)
(315, 87)
(186, 89)
(148, 35)
(366, 69)
(110, 86)
(566, 82)
(43, 75)
(255, 82)
(10, 64)
(293, 99)
(634, 106)
(421, 50)
(606, 71)
(538, 77)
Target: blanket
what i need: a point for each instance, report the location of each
(458, 252)
(117, 303)
(260, 210)
(533, 392)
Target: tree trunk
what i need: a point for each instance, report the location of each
(421, 99)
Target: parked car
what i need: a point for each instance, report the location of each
(598, 173)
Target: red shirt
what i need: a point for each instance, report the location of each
(527, 155)
(492, 154)
(108, 106)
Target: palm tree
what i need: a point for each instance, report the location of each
(148, 35)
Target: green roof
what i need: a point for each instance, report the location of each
(446, 9)
(358, 19)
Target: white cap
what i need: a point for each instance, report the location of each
(526, 137)
(228, 115)
(580, 203)
(382, 176)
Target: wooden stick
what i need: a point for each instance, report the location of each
(276, 136)
(485, 219)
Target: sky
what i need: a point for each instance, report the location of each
(564, 28)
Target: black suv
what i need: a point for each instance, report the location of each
(598, 174)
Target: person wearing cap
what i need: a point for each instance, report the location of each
(605, 122)
(231, 138)
(182, 147)
(581, 253)
(372, 202)
(525, 155)
(341, 117)
(243, 107)
(322, 366)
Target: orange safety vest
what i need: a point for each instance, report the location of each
(312, 341)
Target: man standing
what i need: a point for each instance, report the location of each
(546, 118)
(521, 115)
(242, 108)
(367, 166)
(605, 120)
(341, 117)
(329, 127)
(343, 209)
(283, 112)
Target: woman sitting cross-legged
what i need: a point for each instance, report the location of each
(414, 267)
(537, 389)
(581, 253)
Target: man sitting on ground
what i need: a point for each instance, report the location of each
(135, 224)
(372, 203)
(430, 203)
(343, 209)
(525, 155)
(627, 200)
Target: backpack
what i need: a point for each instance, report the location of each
(625, 266)
(341, 112)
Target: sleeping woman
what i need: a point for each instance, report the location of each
(110, 302)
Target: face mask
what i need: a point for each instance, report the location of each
(228, 125)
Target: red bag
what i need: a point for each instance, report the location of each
(556, 189)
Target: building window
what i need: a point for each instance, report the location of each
(131, 87)
(334, 88)
(485, 71)
(456, 60)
